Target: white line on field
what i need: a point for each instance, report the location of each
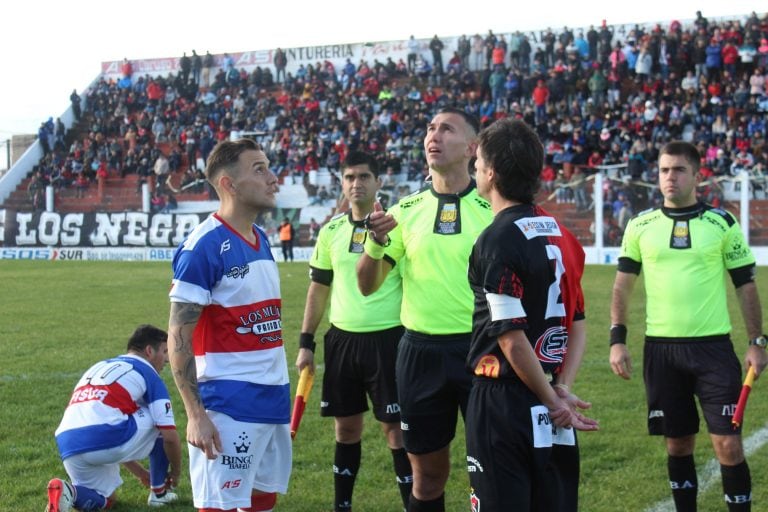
(710, 474)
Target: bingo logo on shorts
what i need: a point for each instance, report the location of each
(239, 461)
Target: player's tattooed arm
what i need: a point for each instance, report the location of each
(183, 319)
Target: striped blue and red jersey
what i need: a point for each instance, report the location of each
(238, 340)
(100, 412)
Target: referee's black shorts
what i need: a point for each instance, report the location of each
(677, 370)
(357, 364)
(433, 385)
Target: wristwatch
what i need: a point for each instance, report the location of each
(760, 341)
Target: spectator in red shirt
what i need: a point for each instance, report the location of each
(540, 98)
(730, 57)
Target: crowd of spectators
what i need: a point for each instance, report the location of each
(598, 98)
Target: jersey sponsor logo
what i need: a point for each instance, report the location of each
(260, 328)
(483, 203)
(488, 366)
(541, 426)
(474, 502)
(737, 252)
(473, 465)
(532, 227)
(88, 393)
(264, 322)
(714, 222)
(238, 271)
(656, 413)
(552, 345)
(563, 436)
(411, 202)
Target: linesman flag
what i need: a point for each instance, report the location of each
(306, 378)
(738, 416)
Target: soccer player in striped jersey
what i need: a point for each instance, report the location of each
(225, 341)
(119, 413)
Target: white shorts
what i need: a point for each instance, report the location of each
(256, 456)
(100, 470)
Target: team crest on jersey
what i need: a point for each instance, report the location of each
(448, 213)
(448, 221)
(681, 235)
(358, 239)
(538, 226)
(488, 366)
(552, 345)
(474, 502)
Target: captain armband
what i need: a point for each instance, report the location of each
(618, 334)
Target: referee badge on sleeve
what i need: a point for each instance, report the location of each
(681, 235)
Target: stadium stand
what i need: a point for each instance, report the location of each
(601, 98)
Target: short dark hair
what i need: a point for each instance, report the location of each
(684, 149)
(225, 154)
(146, 335)
(516, 155)
(469, 118)
(361, 158)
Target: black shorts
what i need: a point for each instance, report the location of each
(675, 371)
(516, 459)
(433, 385)
(357, 364)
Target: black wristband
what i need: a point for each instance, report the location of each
(618, 334)
(307, 340)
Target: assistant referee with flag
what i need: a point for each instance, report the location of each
(361, 345)
(684, 249)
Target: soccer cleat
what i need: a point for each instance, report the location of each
(160, 500)
(61, 496)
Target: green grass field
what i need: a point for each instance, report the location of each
(60, 317)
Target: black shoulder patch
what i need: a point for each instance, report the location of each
(725, 214)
